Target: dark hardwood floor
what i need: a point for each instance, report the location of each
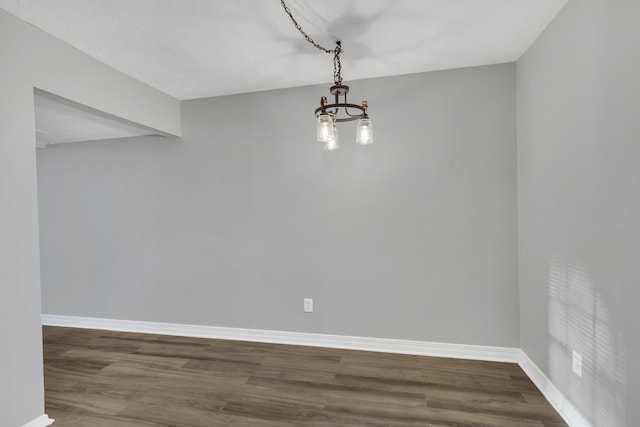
(111, 379)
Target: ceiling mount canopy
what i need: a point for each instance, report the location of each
(339, 110)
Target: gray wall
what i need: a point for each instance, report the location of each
(29, 58)
(413, 237)
(579, 206)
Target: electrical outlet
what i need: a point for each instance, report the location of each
(577, 363)
(308, 305)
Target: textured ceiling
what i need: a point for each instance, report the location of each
(199, 48)
(60, 121)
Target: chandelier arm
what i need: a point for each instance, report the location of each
(357, 116)
(334, 113)
(337, 107)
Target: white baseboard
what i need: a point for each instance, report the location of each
(41, 421)
(570, 413)
(420, 348)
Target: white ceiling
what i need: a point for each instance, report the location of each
(200, 48)
(59, 120)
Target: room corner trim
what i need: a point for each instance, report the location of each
(420, 348)
(41, 421)
(560, 403)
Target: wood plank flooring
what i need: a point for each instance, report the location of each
(111, 379)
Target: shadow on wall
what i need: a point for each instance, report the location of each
(580, 321)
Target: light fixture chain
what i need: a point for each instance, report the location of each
(337, 65)
(305, 35)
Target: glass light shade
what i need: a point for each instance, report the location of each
(325, 129)
(332, 143)
(365, 132)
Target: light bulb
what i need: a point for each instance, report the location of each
(325, 128)
(365, 132)
(332, 143)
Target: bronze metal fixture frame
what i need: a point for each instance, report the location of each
(341, 91)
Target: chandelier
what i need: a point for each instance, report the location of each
(339, 109)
